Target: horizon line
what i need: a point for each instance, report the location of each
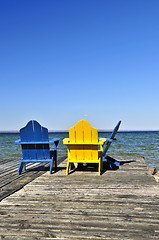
(65, 131)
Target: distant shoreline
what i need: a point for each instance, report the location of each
(99, 130)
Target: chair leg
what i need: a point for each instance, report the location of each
(53, 155)
(55, 159)
(68, 166)
(101, 164)
(20, 168)
(99, 167)
(24, 167)
(55, 164)
(51, 165)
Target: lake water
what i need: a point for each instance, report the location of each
(144, 143)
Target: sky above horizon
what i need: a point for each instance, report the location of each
(63, 61)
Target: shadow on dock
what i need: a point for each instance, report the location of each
(93, 167)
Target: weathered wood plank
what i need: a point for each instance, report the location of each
(10, 182)
(121, 204)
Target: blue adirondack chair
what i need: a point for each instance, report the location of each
(35, 146)
(111, 162)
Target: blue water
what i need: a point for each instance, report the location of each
(144, 144)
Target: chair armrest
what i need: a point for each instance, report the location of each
(18, 141)
(66, 140)
(110, 140)
(52, 141)
(101, 143)
(102, 140)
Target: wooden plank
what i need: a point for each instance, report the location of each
(87, 132)
(11, 182)
(79, 128)
(72, 153)
(121, 204)
(87, 138)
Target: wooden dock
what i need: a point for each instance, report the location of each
(120, 204)
(10, 182)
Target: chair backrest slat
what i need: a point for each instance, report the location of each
(112, 137)
(34, 132)
(82, 132)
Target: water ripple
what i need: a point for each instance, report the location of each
(144, 144)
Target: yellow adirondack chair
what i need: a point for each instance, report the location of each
(82, 145)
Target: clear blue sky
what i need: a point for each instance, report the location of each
(66, 60)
